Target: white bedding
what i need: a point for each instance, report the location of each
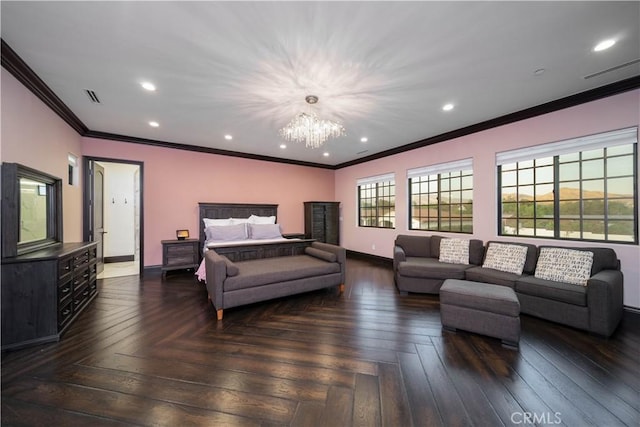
(219, 244)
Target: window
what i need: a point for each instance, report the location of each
(441, 197)
(377, 201)
(73, 169)
(580, 189)
(31, 210)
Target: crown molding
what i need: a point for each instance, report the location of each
(199, 149)
(23, 73)
(549, 107)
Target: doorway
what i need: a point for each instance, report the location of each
(113, 214)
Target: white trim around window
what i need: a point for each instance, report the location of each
(455, 166)
(585, 143)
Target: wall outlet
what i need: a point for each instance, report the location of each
(373, 247)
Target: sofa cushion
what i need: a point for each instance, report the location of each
(564, 265)
(274, 270)
(431, 268)
(505, 257)
(418, 246)
(556, 291)
(489, 275)
(455, 251)
(434, 243)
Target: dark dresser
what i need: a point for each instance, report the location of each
(44, 291)
(322, 221)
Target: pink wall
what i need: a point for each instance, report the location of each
(599, 116)
(33, 135)
(176, 180)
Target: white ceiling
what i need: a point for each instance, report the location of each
(384, 69)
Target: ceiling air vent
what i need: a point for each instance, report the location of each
(608, 70)
(92, 96)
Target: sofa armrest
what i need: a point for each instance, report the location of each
(605, 301)
(216, 270)
(338, 251)
(399, 255)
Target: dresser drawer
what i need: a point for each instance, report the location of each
(65, 290)
(65, 266)
(65, 313)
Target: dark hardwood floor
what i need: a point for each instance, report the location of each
(150, 352)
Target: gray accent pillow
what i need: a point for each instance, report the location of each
(226, 233)
(264, 231)
(319, 253)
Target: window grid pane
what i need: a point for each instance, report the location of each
(592, 196)
(445, 202)
(377, 205)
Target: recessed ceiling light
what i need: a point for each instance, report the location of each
(154, 124)
(605, 44)
(364, 139)
(447, 107)
(228, 137)
(325, 154)
(148, 86)
(283, 146)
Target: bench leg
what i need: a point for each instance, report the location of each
(219, 314)
(341, 288)
(510, 344)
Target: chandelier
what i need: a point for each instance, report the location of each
(309, 128)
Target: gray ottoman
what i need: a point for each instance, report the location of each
(491, 310)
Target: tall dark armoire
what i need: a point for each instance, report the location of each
(322, 221)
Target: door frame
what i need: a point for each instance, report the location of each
(86, 195)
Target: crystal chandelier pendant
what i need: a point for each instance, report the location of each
(309, 128)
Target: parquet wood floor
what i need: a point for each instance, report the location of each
(150, 352)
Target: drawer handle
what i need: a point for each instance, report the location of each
(67, 311)
(66, 290)
(85, 293)
(76, 283)
(85, 275)
(67, 268)
(76, 302)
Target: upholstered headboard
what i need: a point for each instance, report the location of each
(232, 210)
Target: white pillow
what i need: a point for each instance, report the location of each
(226, 233)
(564, 265)
(454, 251)
(208, 222)
(264, 231)
(505, 257)
(254, 219)
(239, 220)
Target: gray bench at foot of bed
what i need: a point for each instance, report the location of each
(486, 309)
(231, 284)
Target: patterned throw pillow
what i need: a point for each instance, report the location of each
(564, 265)
(454, 251)
(505, 257)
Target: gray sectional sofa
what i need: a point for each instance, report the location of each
(596, 307)
(231, 284)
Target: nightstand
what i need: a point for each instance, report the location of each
(179, 255)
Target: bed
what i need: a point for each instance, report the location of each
(247, 249)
